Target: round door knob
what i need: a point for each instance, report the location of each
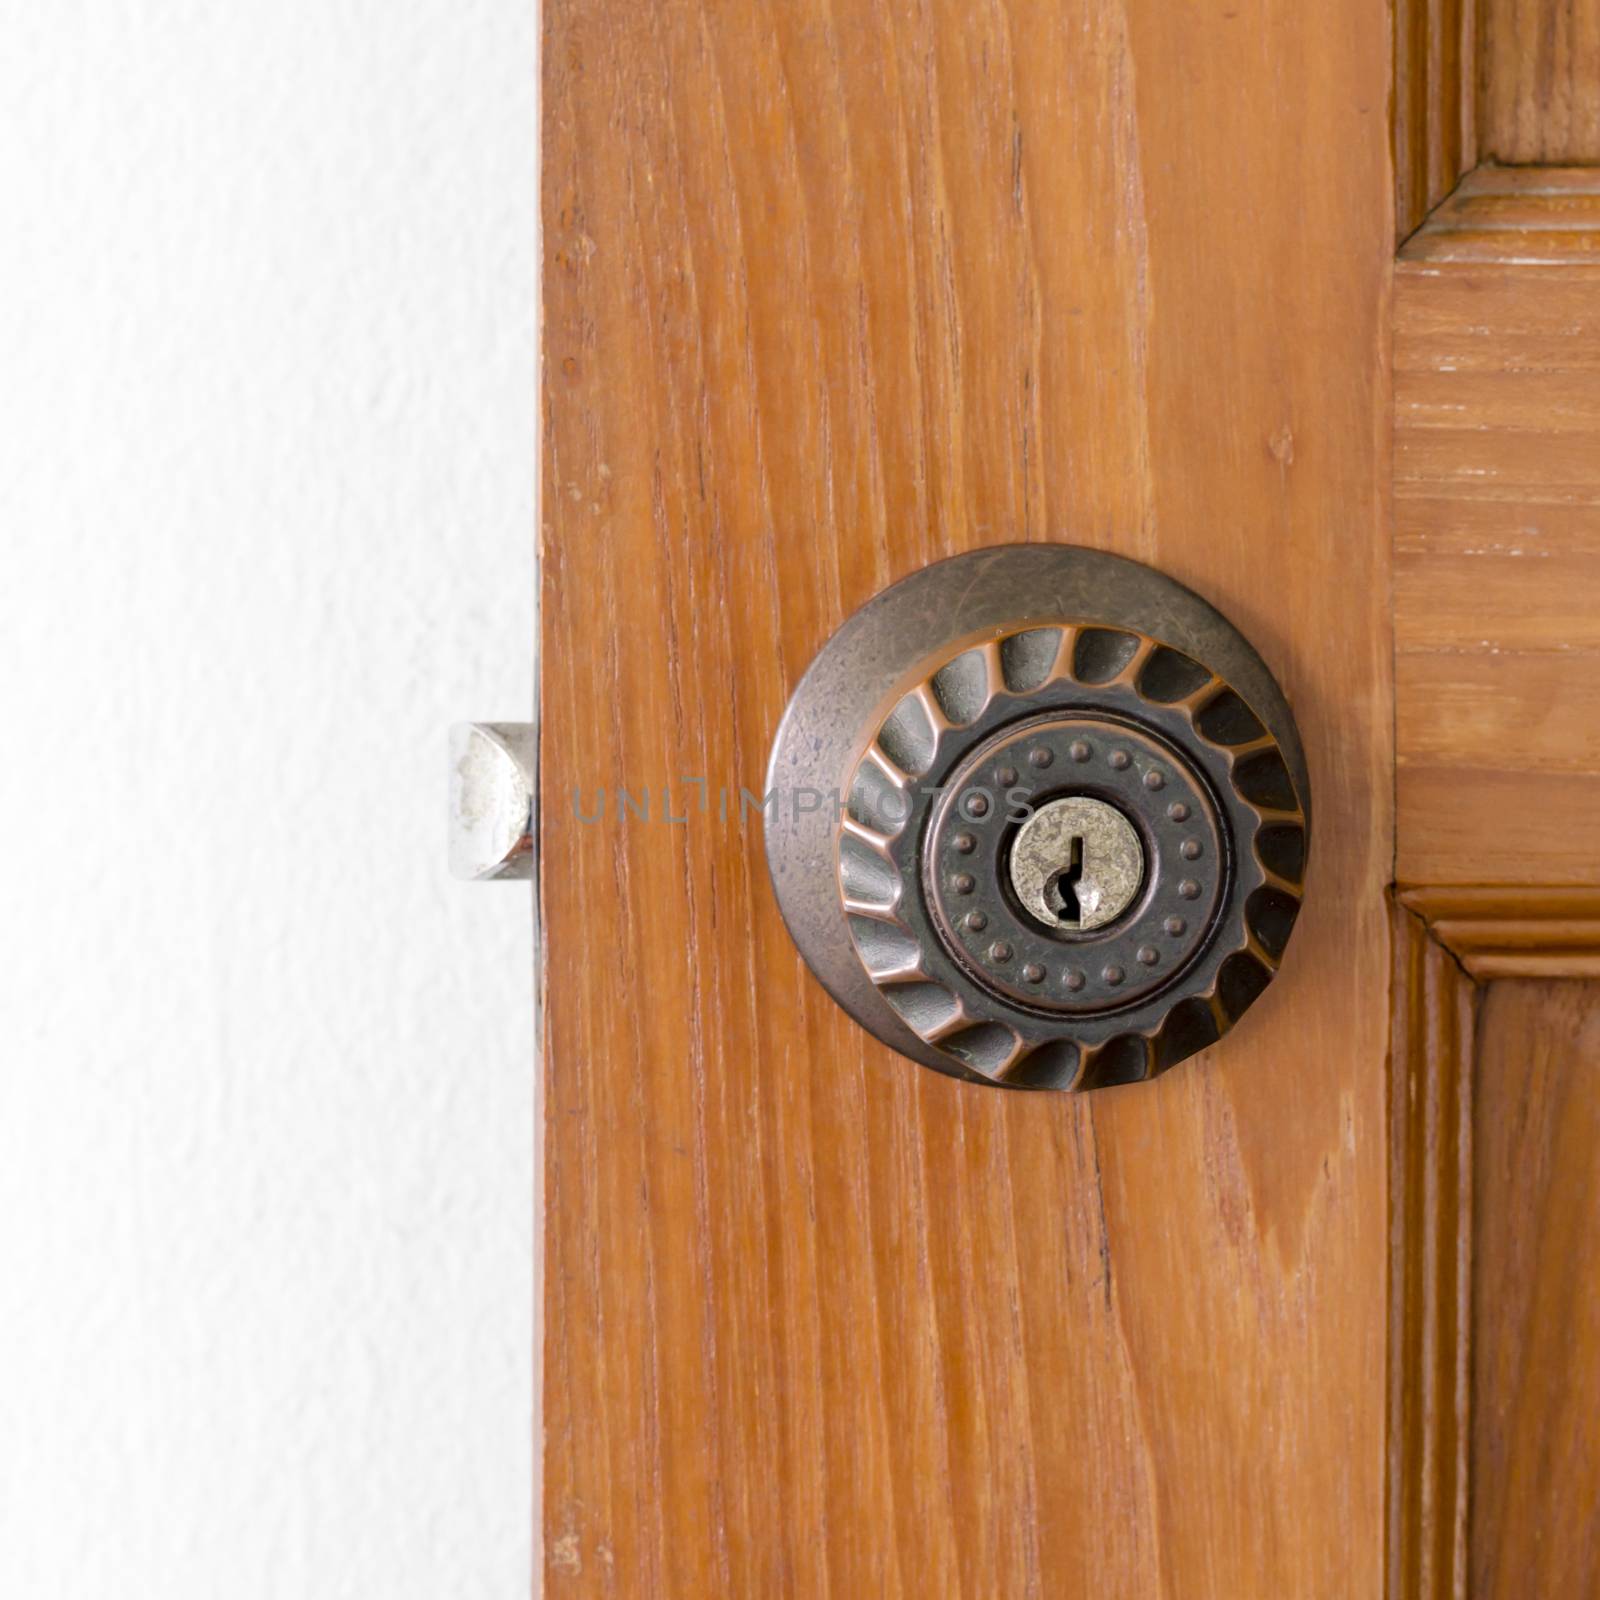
(1038, 816)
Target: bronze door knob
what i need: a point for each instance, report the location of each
(1039, 817)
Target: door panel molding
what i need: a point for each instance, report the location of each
(1435, 103)
(1500, 931)
(1494, 1201)
(1430, 1212)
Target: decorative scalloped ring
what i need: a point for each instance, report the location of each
(999, 726)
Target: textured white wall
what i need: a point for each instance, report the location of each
(268, 427)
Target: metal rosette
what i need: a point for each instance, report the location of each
(1057, 672)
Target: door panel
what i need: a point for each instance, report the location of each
(1538, 76)
(1536, 1324)
(832, 291)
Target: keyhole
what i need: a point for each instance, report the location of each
(1066, 882)
(1076, 864)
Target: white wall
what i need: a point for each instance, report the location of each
(268, 428)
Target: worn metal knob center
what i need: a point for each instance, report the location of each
(1076, 864)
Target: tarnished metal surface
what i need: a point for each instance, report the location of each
(1179, 726)
(1076, 864)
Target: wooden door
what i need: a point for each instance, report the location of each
(835, 289)
(1495, 1148)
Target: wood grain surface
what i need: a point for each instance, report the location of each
(1515, 932)
(1536, 1333)
(1435, 103)
(1430, 1211)
(1514, 217)
(1539, 77)
(1497, 534)
(830, 291)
